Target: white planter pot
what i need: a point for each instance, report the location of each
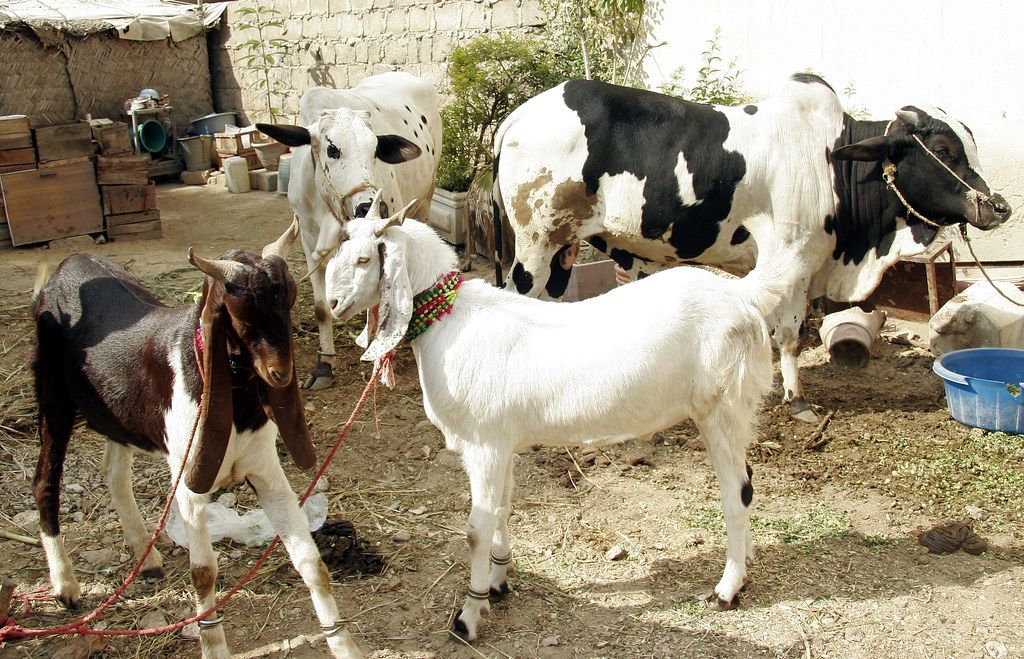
(448, 215)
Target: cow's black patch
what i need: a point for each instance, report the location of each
(523, 279)
(643, 133)
(750, 109)
(750, 471)
(641, 275)
(622, 257)
(810, 79)
(598, 243)
(866, 217)
(559, 279)
(739, 236)
(423, 119)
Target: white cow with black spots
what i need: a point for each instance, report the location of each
(383, 134)
(656, 181)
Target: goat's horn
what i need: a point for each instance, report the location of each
(221, 270)
(280, 246)
(394, 220)
(374, 212)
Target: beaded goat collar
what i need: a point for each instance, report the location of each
(431, 305)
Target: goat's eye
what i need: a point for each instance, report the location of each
(363, 260)
(333, 152)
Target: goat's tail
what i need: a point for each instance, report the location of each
(42, 275)
(767, 284)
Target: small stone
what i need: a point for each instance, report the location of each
(601, 644)
(426, 451)
(976, 513)
(322, 485)
(549, 641)
(77, 516)
(401, 536)
(423, 425)
(995, 649)
(922, 560)
(74, 487)
(228, 500)
(190, 631)
(153, 619)
(99, 557)
(28, 520)
(615, 553)
(394, 583)
(309, 407)
(418, 510)
(123, 557)
(235, 554)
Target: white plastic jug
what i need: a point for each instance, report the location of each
(284, 172)
(237, 173)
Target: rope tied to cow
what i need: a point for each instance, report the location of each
(10, 630)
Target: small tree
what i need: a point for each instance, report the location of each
(717, 82)
(263, 53)
(488, 78)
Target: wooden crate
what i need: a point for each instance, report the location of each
(14, 123)
(124, 219)
(134, 226)
(44, 204)
(5, 236)
(111, 137)
(122, 170)
(15, 141)
(7, 169)
(234, 143)
(118, 199)
(10, 157)
(63, 141)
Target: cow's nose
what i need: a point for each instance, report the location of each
(362, 209)
(334, 302)
(1000, 206)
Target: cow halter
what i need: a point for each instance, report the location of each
(972, 194)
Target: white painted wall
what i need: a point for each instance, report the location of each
(966, 57)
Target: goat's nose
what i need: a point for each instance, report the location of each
(362, 209)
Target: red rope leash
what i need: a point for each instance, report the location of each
(10, 630)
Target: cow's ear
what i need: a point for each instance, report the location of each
(394, 149)
(873, 148)
(285, 133)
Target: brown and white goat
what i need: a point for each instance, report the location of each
(111, 352)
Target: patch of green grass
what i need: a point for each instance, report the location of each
(964, 468)
(809, 524)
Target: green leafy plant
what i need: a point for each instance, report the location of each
(262, 53)
(488, 78)
(717, 81)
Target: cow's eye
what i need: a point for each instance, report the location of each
(363, 260)
(333, 152)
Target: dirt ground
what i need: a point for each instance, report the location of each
(839, 571)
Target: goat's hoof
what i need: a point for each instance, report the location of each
(743, 588)
(153, 573)
(715, 603)
(70, 600)
(460, 629)
(500, 593)
(801, 410)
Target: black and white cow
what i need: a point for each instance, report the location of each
(383, 134)
(655, 181)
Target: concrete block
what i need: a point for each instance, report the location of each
(201, 177)
(419, 19)
(337, 6)
(424, 48)
(254, 177)
(374, 23)
(299, 7)
(363, 5)
(312, 27)
(293, 28)
(532, 15)
(397, 21)
(266, 181)
(318, 6)
(474, 17)
(504, 14)
(447, 17)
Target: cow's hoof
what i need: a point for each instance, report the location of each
(801, 410)
(321, 377)
(153, 573)
(460, 629)
(500, 593)
(715, 603)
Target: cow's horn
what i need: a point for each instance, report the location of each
(280, 246)
(374, 212)
(221, 270)
(909, 117)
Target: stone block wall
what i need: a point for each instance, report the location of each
(336, 43)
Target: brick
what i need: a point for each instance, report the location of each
(312, 27)
(474, 17)
(318, 6)
(361, 5)
(299, 7)
(419, 19)
(424, 48)
(504, 14)
(362, 49)
(397, 21)
(447, 17)
(532, 14)
(293, 28)
(374, 23)
(337, 6)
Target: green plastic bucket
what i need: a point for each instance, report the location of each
(152, 136)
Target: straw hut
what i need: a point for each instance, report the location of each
(65, 59)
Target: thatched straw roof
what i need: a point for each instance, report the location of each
(138, 20)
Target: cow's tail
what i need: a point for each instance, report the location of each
(42, 275)
(767, 284)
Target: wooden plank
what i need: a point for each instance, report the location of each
(7, 169)
(63, 163)
(132, 218)
(5, 233)
(15, 141)
(14, 123)
(18, 157)
(111, 137)
(135, 227)
(145, 235)
(54, 203)
(122, 170)
(64, 141)
(118, 199)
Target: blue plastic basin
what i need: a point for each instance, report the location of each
(985, 387)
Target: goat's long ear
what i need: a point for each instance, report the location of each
(395, 310)
(215, 419)
(284, 406)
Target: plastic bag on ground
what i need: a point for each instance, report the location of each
(252, 529)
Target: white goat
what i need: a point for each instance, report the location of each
(504, 372)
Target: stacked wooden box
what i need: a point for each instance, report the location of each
(129, 199)
(16, 154)
(227, 145)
